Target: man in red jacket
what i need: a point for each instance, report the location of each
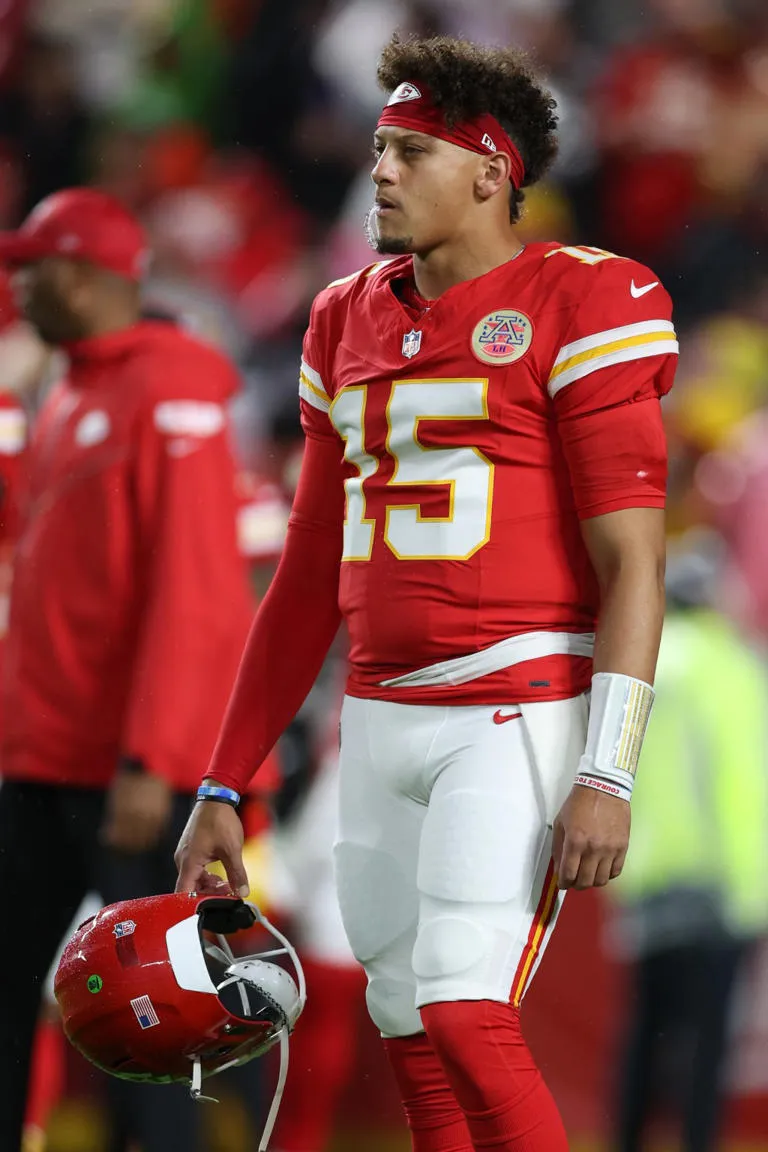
(129, 611)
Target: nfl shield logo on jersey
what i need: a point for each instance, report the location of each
(411, 343)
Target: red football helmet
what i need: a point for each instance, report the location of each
(152, 990)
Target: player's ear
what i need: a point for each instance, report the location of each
(493, 175)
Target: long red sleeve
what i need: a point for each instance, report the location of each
(295, 625)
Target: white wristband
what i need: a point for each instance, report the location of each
(608, 786)
(618, 717)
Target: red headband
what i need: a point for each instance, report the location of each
(410, 106)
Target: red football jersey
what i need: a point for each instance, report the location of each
(475, 436)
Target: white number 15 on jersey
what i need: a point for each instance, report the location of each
(464, 470)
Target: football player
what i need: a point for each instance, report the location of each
(482, 502)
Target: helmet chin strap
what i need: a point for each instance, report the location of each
(283, 1035)
(278, 1096)
(195, 1089)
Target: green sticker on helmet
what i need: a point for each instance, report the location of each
(95, 984)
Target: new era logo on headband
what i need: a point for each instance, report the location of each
(403, 93)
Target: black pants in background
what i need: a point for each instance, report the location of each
(50, 857)
(677, 1041)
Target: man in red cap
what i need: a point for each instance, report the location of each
(482, 499)
(129, 611)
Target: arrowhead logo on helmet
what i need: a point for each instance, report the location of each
(187, 999)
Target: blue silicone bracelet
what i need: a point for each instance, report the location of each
(218, 792)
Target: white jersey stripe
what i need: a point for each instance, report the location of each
(13, 431)
(610, 336)
(314, 378)
(313, 397)
(620, 356)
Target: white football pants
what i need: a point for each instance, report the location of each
(443, 858)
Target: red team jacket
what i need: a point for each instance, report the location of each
(13, 439)
(475, 438)
(13, 434)
(130, 603)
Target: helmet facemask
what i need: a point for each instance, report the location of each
(251, 987)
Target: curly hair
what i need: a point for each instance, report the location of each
(466, 80)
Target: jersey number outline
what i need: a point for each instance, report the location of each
(584, 253)
(463, 469)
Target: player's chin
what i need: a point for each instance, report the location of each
(387, 237)
(394, 245)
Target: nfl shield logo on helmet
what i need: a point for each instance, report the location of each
(411, 343)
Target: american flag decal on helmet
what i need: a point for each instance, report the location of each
(145, 1012)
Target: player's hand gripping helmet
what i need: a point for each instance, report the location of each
(152, 990)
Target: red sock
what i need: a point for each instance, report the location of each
(501, 1092)
(46, 1083)
(436, 1122)
(322, 1056)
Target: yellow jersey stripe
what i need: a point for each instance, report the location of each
(621, 355)
(313, 397)
(611, 335)
(319, 392)
(313, 376)
(605, 349)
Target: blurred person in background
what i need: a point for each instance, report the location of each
(316, 150)
(422, 486)
(129, 610)
(682, 121)
(44, 123)
(729, 485)
(690, 902)
(723, 375)
(718, 444)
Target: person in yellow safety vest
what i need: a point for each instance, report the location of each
(692, 898)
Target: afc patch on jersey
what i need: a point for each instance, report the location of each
(411, 343)
(502, 337)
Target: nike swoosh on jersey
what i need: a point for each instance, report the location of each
(500, 718)
(638, 292)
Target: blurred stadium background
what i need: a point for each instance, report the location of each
(240, 131)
